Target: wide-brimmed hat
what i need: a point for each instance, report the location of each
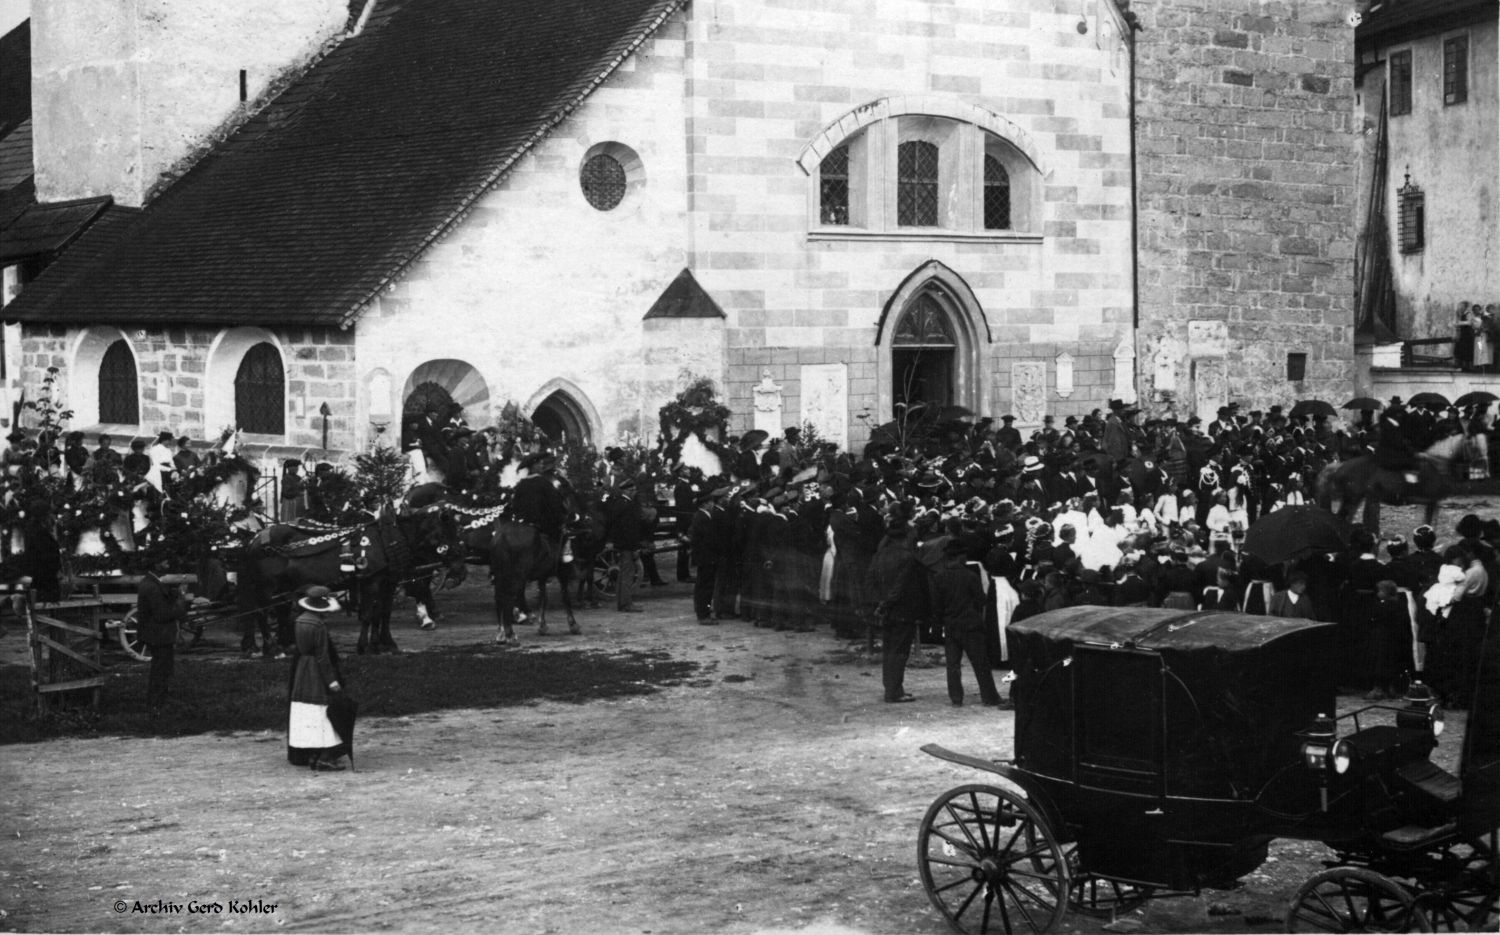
(319, 600)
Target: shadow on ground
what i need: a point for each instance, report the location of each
(210, 696)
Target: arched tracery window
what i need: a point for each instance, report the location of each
(924, 351)
(118, 387)
(260, 391)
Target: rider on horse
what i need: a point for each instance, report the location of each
(1393, 449)
(419, 589)
(539, 501)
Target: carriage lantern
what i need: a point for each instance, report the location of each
(1317, 743)
(1422, 711)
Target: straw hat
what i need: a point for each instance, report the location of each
(319, 600)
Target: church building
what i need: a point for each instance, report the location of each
(306, 218)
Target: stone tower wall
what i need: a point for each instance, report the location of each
(1246, 175)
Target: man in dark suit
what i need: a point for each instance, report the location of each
(158, 608)
(703, 536)
(898, 583)
(1174, 585)
(958, 604)
(623, 528)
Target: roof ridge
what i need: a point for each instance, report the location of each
(644, 29)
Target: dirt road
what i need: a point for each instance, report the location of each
(774, 792)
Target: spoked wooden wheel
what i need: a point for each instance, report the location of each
(1466, 899)
(1353, 899)
(1098, 896)
(130, 639)
(188, 636)
(990, 863)
(606, 572)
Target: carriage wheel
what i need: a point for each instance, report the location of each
(130, 639)
(188, 636)
(1353, 899)
(1098, 896)
(606, 572)
(990, 863)
(1469, 899)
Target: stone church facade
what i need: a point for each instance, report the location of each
(828, 207)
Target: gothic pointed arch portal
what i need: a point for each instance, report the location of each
(562, 411)
(930, 342)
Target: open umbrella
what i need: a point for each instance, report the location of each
(1363, 402)
(753, 438)
(1296, 531)
(1429, 401)
(1475, 398)
(1313, 407)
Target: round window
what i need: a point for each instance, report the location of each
(603, 180)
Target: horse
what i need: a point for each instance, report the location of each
(370, 559)
(520, 554)
(1362, 479)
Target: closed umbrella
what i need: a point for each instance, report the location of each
(1294, 532)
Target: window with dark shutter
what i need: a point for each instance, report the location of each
(1400, 66)
(1411, 217)
(833, 184)
(118, 388)
(1296, 367)
(917, 184)
(260, 392)
(996, 195)
(1455, 69)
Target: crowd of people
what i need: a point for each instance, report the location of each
(950, 536)
(949, 531)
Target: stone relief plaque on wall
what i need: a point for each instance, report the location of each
(1028, 383)
(1210, 387)
(1164, 371)
(825, 401)
(1064, 365)
(1208, 338)
(767, 395)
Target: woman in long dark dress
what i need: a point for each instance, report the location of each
(312, 737)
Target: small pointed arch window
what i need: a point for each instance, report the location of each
(119, 398)
(260, 391)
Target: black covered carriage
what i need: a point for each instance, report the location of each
(1161, 752)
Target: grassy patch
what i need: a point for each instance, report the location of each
(214, 695)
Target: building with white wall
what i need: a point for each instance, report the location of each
(829, 208)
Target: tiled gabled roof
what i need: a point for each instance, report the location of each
(40, 230)
(314, 205)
